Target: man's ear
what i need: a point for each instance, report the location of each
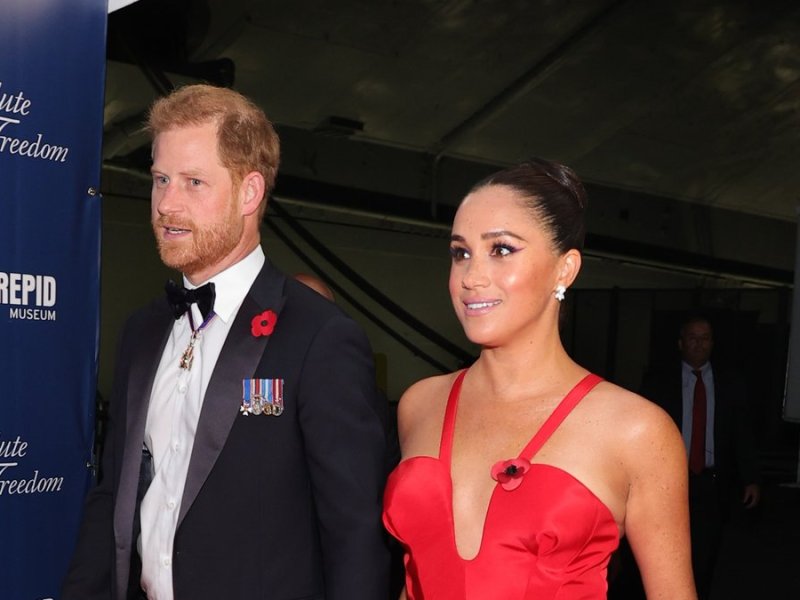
(251, 192)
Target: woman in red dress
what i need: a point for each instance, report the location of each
(521, 473)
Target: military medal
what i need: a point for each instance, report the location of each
(262, 397)
(276, 396)
(258, 397)
(187, 358)
(188, 355)
(246, 396)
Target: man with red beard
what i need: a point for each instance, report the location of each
(246, 449)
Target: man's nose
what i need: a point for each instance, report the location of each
(167, 199)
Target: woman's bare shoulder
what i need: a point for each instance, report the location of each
(627, 405)
(638, 422)
(430, 384)
(420, 412)
(425, 392)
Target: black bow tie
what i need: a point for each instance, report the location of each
(180, 298)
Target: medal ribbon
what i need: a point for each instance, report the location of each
(188, 355)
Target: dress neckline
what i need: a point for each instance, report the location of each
(573, 397)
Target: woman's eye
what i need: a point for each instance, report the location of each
(457, 253)
(502, 250)
(195, 182)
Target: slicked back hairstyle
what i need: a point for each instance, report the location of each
(246, 139)
(553, 194)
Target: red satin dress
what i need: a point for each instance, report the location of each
(548, 539)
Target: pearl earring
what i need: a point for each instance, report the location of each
(559, 293)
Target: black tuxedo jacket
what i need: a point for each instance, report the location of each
(275, 507)
(734, 449)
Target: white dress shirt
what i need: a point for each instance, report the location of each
(689, 379)
(173, 414)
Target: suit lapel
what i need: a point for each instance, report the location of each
(144, 359)
(238, 360)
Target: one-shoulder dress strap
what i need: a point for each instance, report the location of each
(570, 401)
(448, 427)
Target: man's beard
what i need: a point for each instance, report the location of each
(208, 245)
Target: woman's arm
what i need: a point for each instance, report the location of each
(657, 511)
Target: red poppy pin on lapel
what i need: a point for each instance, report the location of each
(264, 323)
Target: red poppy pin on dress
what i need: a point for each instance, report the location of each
(508, 473)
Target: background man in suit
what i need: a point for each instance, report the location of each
(251, 427)
(722, 461)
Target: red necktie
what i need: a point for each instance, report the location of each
(697, 448)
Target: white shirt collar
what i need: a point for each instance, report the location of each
(232, 284)
(689, 369)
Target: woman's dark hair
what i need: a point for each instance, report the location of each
(554, 195)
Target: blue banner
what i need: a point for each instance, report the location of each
(52, 67)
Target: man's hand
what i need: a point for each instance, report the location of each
(752, 495)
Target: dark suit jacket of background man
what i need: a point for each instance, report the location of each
(735, 461)
(265, 510)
